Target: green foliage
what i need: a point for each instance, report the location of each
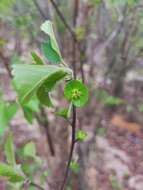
(140, 107)
(6, 4)
(103, 96)
(81, 135)
(94, 2)
(50, 47)
(31, 187)
(11, 109)
(30, 169)
(10, 173)
(7, 111)
(22, 21)
(101, 131)
(28, 114)
(46, 173)
(129, 108)
(80, 32)
(2, 42)
(29, 78)
(3, 118)
(29, 149)
(100, 94)
(9, 151)
(15, 59)
(115, 183)
(122, 2)
(64, 112)
(30, 108)
(33, 104)
(34, 84)
(37, 60)
(49, 53)
(44, 97)
(112, 100)
(43, 176)
(74, 166)
(76, 92)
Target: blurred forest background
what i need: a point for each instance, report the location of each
(103, 41)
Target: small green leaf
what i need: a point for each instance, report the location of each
(9, 150)
(115, 183)
(49, 52)
(3, 118)
(30, 108)
(44, 97)
(113, 100)
(11, 109)
(37, 59)
(28, 114)
(46, 173)
(10, 173)
(7, 111)
(74, 166)
(51, 47)
(76, 92)
(80, 135)
(29, 150)
(64, 112)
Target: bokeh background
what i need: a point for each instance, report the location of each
(109, 58)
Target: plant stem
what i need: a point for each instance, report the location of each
(43, 121)
(5, 61)
(49, 137)
(73, 141)
(40, 10)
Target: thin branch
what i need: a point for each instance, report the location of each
(43, 121)
(73, 141)
(49, 137)
(40, 10)
(115, 33)
(5, 61)
(71, 149)
(76, 10)
(64, 20)
(74, 44)
(74, 47)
